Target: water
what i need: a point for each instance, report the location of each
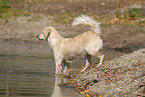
(27, 69)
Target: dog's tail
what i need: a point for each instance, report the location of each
(86, 20)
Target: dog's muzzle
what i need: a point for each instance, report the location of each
(38, 37)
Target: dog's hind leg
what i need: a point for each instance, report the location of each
(101, 57)
(88, 62)
(97, 54)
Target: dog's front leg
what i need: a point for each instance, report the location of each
(66, 68)
(58, 63)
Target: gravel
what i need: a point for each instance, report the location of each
(122, 76)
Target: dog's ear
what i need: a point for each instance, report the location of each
(47, 31)
(47, 35)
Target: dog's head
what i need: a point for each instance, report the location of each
(44, 35)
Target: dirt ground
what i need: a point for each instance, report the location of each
(122, 37)
(120, 77)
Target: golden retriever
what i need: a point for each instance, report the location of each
(67, 49)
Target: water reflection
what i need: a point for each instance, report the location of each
(56, 89)
(25, 75)
(29, 73)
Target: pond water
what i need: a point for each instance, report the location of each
(27, 69)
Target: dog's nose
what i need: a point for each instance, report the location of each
(38, 36)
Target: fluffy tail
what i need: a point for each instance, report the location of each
(86, 20)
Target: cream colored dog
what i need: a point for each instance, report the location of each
(67, 49)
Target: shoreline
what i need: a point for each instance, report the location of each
(122, 76)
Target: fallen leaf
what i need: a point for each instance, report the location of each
(82, 92)
(87, 95)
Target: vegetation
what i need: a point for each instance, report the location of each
(4, 6)
(131, 16)
(7, 11)
(64, 18)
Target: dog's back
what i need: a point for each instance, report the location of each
(80, 45)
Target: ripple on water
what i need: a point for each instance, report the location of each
(25, 75)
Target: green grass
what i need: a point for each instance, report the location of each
(4, 6)
(65, 17)
(4, 3)
(6, 11)
(129, 17)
